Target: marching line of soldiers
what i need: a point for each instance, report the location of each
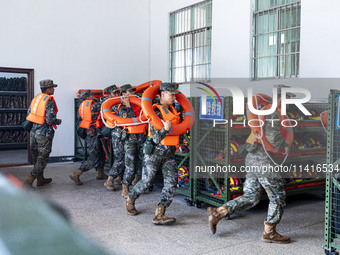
(140, 151)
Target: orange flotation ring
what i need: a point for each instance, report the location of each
(98, 93)
(258, 135)
(111, 120)
(140, 88)
(179, 129)
(324, 118)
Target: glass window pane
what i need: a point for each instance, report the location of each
(195, 46)
(276, 41)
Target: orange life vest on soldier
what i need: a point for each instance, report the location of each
(173, 117)
(257, 121)
(38, 109)
(86, 115)
(136, 129)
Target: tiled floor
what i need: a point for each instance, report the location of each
(101, 215)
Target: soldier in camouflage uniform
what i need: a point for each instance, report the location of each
(41, 134)
(117, 169)
(95, 150)
(133, 154)
(158, 156)
(257, 181)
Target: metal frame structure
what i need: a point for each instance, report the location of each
(332, 202)
(199, 136)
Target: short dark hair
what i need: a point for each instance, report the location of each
(43, 90)
(160, 92)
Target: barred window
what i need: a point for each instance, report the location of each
(276, 38)
(190, 43)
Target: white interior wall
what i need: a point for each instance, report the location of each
(78, 44)
(320, 51)
(230, 54)
(88, 44)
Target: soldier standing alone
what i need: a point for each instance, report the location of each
(43, 113)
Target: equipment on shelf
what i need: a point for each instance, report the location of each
(183, 176)
(98, 93)
(298, 144)
(13, 84)
(234, 147)
(311, 142)
(293, 115)
(13, 110)
(315, 115)
(235, 183)
(237, 118)
(182, 148)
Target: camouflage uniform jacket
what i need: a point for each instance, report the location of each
(273, 134)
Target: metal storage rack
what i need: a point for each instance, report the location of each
(207, 142)
(185, 187)
(332, 203)
(79, 144)
(13, 110)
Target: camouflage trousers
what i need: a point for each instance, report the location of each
(118, 167)
(152, 163)
(96, 154)
(41, 146)
(133, 159)
(253, 187)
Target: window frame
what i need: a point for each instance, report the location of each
(279, 70)
(195, 38)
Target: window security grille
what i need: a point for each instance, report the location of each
(276, 38)
(190, 43)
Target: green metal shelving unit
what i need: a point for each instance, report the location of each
(332, 202)
(79, 144)
(204, 135)
(186, 159)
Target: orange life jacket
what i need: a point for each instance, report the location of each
(86, 115)
(38, 109)
(174, 118)
(286, 132)
(136, 129)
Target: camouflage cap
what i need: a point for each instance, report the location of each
(126, 87)
(111, 89)
(171, 87)
(280, 86)
(86, 93)
(47, 84)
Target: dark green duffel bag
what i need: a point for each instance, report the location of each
(106, 132)
(81, 132)
(27, 125)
